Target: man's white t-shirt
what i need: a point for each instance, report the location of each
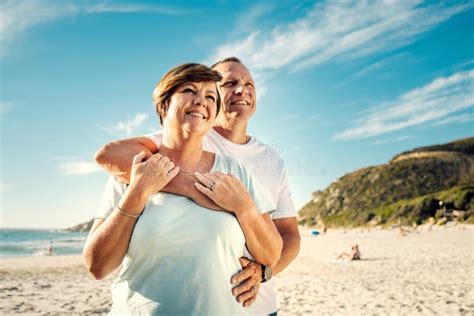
(269, 169)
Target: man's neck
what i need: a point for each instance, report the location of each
(233, 130)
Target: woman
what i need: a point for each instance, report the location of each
(178, 257)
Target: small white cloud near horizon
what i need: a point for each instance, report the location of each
(436, 100)
(128, 126)
(5, 106)
(5, 186)
(338, 30)
(78, 167)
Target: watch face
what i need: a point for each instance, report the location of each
(268, 273)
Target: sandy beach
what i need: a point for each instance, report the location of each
(422, 273)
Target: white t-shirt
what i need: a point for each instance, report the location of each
(270, 171)
(167, 269)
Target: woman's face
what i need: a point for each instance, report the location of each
(192, 107)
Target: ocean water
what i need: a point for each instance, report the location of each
(35, 242)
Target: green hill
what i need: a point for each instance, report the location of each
(406, 190)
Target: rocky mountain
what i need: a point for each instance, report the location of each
(407, 189)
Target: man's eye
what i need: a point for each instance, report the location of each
(229, 84)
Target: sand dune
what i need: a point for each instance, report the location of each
(425, 273)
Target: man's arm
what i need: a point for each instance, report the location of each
(251, 275)
(288, 229)
(117, 157)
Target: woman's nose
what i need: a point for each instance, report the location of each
(200, 99)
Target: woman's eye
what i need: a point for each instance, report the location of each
(188, 90)
(210, 97)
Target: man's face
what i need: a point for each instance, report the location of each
(237, 90)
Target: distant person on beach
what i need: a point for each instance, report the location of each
(354, 255)
(50, 248)
(229, 137)
(177, 257)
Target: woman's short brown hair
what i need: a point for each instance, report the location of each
(190, 72)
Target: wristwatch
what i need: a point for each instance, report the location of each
(266, 273)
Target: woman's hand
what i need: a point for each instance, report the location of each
(150, 176)
(225, 190)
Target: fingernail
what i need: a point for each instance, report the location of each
(197, 173)
(240, 300)
(234, 281)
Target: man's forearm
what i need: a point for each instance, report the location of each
(291, 248)
(117, 157)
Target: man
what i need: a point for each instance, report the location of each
(229, 137)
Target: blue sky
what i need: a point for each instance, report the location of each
(340, 86)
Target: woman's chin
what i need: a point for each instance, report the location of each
(199, 128)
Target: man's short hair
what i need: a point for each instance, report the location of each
(226, 60)
(185, 73)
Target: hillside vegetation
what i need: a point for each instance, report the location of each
(408, 189)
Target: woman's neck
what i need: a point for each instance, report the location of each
(233, 130)
(184, 149)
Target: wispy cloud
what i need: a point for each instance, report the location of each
(391, 140)
(338, 30)
(463, 118)
(434, 101)
(378, 65)
(78, 167)
(19, 16)
(128, 126)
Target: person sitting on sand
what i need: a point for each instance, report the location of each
(178, 257)
(354, 255)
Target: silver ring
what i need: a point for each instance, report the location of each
(211, 185)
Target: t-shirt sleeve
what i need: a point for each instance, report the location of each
(285, 206)
(156, 138)
(113, 192)
(260, 198)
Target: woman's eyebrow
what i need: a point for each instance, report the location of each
(212, 91)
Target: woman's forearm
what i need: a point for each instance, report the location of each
(261, 236)
(107, 245)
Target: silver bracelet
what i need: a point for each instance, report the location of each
(127, 214)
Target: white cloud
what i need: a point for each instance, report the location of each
(338, 30)
(5, 186)
(129, 126)
(5, 106)
(290, 117)
(463, 118)
(434, 101)
(378, 65)
(79, 167)
(18, 16)
(390, 140)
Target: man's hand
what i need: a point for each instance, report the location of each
(248, 281)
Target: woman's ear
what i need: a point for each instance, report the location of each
(164, 108)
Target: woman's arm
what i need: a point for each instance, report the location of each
(261, 236)
(108, 240)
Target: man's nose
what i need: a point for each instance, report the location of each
(241, 89)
